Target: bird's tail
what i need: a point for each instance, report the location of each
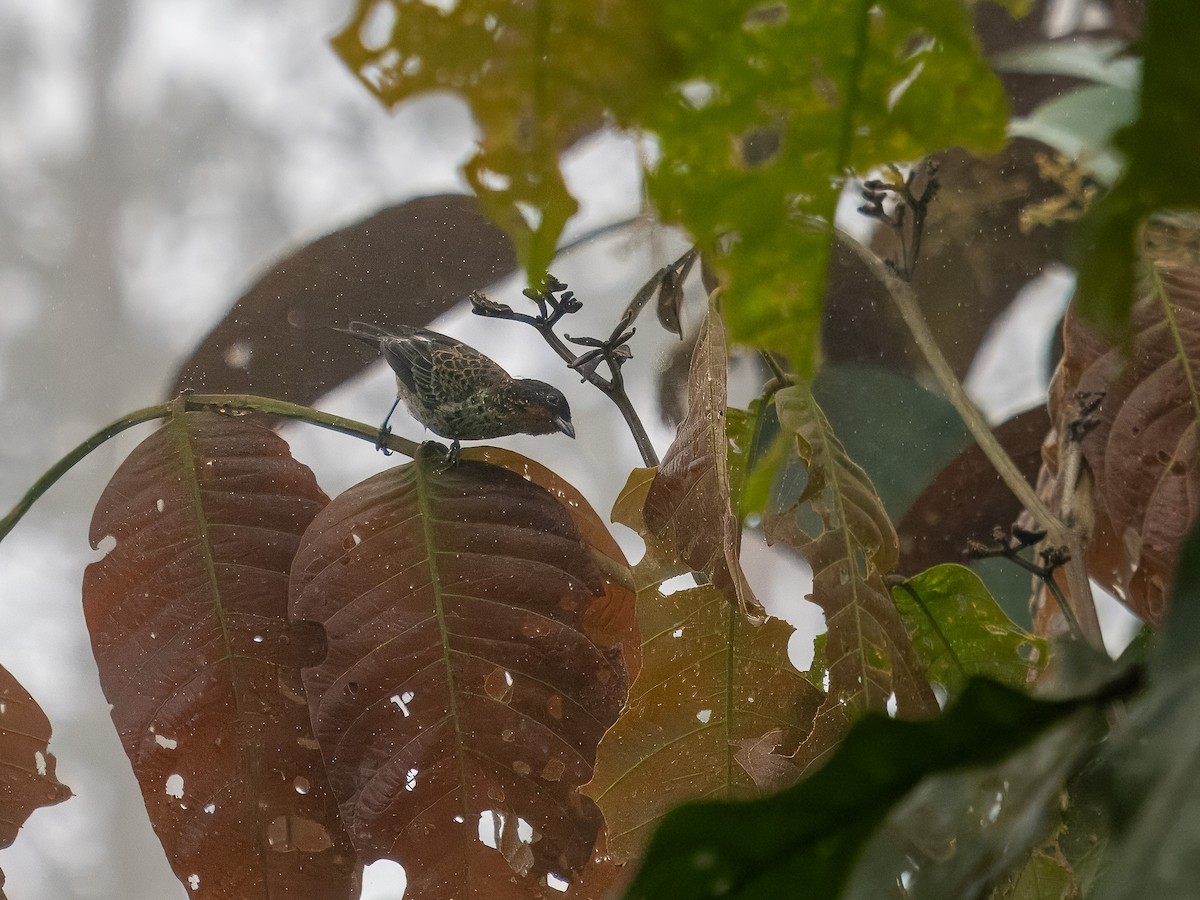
(370, 334)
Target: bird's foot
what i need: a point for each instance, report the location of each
(441, 457)
(381, 442)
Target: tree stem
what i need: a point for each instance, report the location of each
(230, 405)
(1058, 533)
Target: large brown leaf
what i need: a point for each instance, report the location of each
(27, 779)
(188, 619)
(1142, 446)
(967, 500)
(868, 651)
(712, 685)
(459, 682)
(689, 505)
(611, 619)
(404, 265)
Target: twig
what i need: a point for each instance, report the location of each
(230, 405)
(554, 302)
(1053, 561)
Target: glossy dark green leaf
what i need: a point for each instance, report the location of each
(803, 841)
(1153, 765)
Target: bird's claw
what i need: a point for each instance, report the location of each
(381, 442)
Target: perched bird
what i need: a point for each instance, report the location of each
(457, 392)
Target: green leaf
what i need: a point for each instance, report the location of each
(1163, 169)
(777, 104)
(806, 838)
(960, 632)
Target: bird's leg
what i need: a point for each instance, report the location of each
(453, 452)
(384, 430)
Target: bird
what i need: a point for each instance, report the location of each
(459, 393)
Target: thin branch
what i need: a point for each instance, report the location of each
(1045, 573)
(231, 405)
(612, 351)
(902, 294)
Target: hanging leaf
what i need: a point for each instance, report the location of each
(188, 619)
(851, 547)
(1139, 442)
(27, 779)
(690, 505)
(460, 685)
(537, 76)
(715, 712)
(960, 632)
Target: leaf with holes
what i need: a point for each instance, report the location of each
(460, 686)
(851, 546)
(188, 619)
(537, 77)
(712, 687)
(27, 779)
(1140, 443)
(690, 504)
(757, 136)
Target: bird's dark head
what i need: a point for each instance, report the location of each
(546, 408)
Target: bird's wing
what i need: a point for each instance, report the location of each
(439, 368)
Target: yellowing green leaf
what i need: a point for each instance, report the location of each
(869, 653)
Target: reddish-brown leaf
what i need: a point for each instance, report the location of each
(689, 504)
(967, 499)
(1141, 442)
(403, 265)
(869, 655)
(611, 618)
(188, 619)
(459, 681)
(27, 779)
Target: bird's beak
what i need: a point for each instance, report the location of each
(565, 426)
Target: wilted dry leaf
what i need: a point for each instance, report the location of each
(460, 684)
(188, 619)
(689, 505)
(711, 682)
(1139, 442)
(870, 657)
